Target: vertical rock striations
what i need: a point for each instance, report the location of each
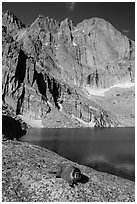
(47, 65)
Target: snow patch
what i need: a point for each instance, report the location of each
(101, 92)
(90, 124)
(60, 106)
(60, 66)
(30, 121)
(75, 30)
(74, 43)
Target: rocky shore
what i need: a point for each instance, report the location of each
(25, 177)
(25, 174)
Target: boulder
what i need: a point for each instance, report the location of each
(11, 128)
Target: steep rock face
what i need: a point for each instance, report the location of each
(46, 66)
(103, 56)
(12, 23)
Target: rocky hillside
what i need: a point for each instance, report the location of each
(48, 66)
(26, 178)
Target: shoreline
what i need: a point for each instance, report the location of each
(22, 183)
(31, 122)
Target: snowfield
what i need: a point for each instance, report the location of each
(101, 92)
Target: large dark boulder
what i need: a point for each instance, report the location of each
(11, 128)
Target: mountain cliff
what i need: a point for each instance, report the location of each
(48, 67)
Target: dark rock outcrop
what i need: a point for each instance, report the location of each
(11, 128)
(48, 65)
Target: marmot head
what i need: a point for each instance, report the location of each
(76, 174)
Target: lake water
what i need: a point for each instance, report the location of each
(109, 150)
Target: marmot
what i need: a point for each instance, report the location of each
(69, 173)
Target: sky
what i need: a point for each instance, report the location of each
(120, 14)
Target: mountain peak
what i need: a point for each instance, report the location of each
(66, 23)
(9, 13)
(10, 20)
(45, 23)
(58, 67)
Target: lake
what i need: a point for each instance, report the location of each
(109, 150)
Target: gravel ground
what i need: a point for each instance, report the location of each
(26, 177)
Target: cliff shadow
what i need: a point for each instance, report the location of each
(20, 70)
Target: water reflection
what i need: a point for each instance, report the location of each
(110, 150)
